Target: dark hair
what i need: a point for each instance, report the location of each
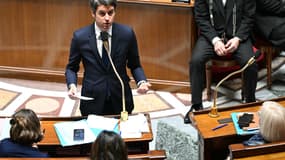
(109, 146)
(95, 3)
(25, 127)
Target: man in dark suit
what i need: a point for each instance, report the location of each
(270, 21)
(224, 28)
(100, 80)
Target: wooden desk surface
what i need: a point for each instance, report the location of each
(214, 144)
(51, 144)
(50, 138)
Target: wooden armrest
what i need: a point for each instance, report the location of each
(152, 154)
(239, 150)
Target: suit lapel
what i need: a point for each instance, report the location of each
(93, 46)
(114, 39)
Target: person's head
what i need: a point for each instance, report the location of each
(272, 121)
(103, 12)
(109, 146)
(25, 127)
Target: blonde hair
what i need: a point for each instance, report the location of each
(272, 121)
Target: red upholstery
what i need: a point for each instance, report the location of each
(218, 70)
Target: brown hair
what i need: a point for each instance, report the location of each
(109, 146)
(25, 127)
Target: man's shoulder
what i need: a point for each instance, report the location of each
(84, 30)
(122, 27)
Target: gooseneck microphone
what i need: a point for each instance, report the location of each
(214, 109)
(104, 37)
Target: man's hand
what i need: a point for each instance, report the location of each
(220, 48)
(143, 87)
(72, 92)
(232, 45)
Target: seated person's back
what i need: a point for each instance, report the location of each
(25, 132)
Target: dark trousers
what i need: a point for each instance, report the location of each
(204, 51)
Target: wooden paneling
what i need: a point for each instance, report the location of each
(37, 34)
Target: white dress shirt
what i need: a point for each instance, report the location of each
(99, 41)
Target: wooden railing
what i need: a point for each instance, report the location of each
(58, 76)
(152, 155)
(240, 151)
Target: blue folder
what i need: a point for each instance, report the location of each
(240, 131)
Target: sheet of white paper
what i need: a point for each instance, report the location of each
(83, 97)
(134, 126)
(101, 122)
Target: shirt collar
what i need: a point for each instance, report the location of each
(98, 31)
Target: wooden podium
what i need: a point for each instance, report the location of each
(214, 144)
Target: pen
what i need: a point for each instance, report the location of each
(116, 125)
(220, 126)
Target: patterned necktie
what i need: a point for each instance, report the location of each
(104, 37)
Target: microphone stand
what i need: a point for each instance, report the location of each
(124, 113)
(214, 109)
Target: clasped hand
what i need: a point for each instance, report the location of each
(223, 49)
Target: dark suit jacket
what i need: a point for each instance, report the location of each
(223, 21)
(270, 21)
(99, 81)
(8, 148)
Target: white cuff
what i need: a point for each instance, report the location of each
(141, 82)
(216, 39)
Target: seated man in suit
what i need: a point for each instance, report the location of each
(270, 21)
(225, 27)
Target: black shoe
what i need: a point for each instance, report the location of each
(197, 107)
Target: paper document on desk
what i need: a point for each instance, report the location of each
(5, 128)
(103, 123)
(65, 132)
(134, 126)
(92, 128)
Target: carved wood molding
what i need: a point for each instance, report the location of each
(58, 76)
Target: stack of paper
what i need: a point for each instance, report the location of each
(99, 123)
(134, 126)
